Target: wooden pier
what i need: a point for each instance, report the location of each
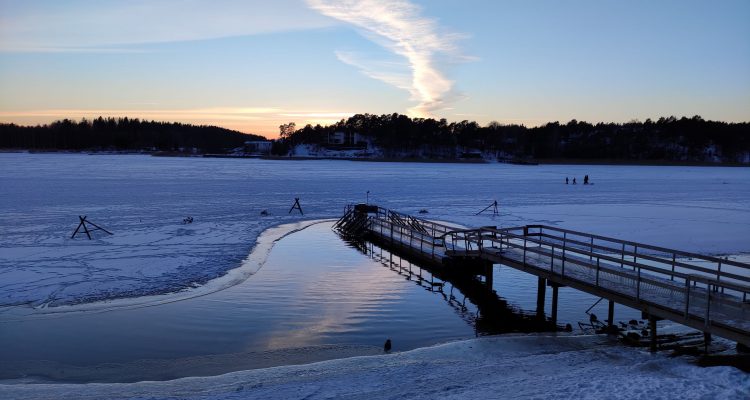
(706, 293)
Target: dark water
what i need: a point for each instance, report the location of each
(317, 297)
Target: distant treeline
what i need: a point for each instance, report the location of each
(121, 134)
(669, 139)
(666, 139)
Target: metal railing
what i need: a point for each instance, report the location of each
(645, 273)
(710, 290)
(407, 236)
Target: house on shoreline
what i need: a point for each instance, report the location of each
(346, 140)
(258, 147)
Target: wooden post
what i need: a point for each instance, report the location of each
(707, 319)
(706, 341)
(85, 229)
(611, 314)
(652, 327)
(554, 304)
(687, 297)
(718, 272)
(597, 270)
(638, 285)
(541, 288)
(488, 274)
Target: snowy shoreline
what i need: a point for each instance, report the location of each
(540, 161)
(249, 266)
(508, 366)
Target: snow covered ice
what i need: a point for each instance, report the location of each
(143, 201)
(506, 367)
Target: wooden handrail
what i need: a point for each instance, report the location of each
(665, 261)
(627, 253)
(615, 260)
(503, 236)
(643, 246)
(551, 250)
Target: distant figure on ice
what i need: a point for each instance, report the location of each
(566, 180)
(574, 181)
(387, 346)
(586, 180)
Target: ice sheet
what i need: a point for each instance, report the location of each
(144, 199)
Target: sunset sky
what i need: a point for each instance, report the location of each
(253, 65)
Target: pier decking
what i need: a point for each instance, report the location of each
(706, 293)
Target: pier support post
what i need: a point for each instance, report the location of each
(541, 288)
(706, 341)
(611, 314)
(554, 304)
(488, 275)
(652, 328)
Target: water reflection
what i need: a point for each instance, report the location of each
(471, 297)
(315, 298)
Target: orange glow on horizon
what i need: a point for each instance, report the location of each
(262, 121)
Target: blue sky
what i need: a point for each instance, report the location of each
(252, 65)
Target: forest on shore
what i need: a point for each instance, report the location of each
(122, 134)
(667, 139)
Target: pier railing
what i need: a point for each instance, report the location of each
(422, 240)
(705, 288)
(705, 292)
(567, 244)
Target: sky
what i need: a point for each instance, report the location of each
(254, 65)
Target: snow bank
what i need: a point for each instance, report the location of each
(508, 367)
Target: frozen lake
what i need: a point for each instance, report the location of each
(316, 297)
(299, 296)
(143, 201)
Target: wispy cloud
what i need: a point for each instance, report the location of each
(223, 113)
(335, 115)
(394, 74)
(115, 26)
(400, 27)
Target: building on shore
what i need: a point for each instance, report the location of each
(259, 147)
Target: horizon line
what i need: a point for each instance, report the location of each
(276, 136)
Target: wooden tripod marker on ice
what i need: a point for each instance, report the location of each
(86, 230)
(494, 209)
(297, 206)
